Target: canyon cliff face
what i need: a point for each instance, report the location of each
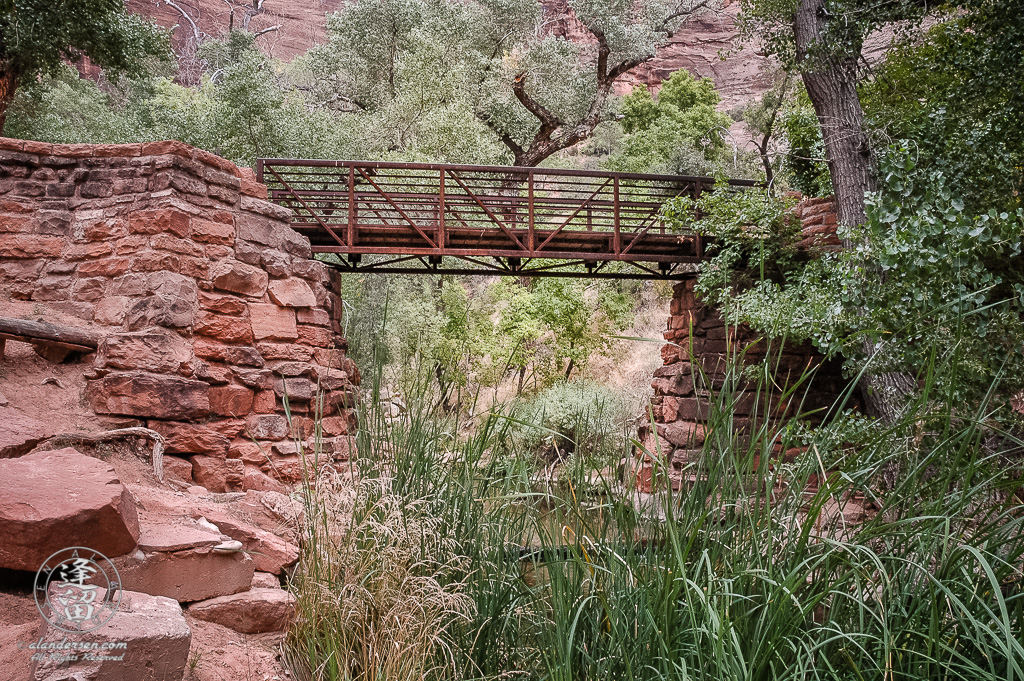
(698, 46)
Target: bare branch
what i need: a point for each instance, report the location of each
(267, 30)
(195, 29)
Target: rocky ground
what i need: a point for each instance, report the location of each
(202, 573)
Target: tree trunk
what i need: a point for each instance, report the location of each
(831, 83)
(8, 86)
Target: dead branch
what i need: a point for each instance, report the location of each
(118, 434)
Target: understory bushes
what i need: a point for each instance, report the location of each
(897, 556)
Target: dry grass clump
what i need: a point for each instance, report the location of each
(374, 587)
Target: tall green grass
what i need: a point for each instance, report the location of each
(435, 559)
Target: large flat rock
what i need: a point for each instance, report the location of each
(251, 612)
(54, 500)
(20, 433)
(189, 575)
(156, 637)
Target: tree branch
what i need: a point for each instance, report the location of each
(260, 32)
(513, 146)
(195, 29)
(548, 121)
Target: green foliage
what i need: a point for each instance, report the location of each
(680, 132)
(439, 562)
(805, 156)
(957, 93)
(38, 36)
(932, 275)
(67, 109)
(553, 326)
(420, 67)
(752, 238)
(924, 276)
(580, 423)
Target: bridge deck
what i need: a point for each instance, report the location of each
(487, 219)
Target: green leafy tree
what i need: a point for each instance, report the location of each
(491, 67)
(38, 36)
(805, 155)
(950, 280)
(679, 132)
(958, 94)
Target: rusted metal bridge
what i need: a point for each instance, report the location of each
(465, 219)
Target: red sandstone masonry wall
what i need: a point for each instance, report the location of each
(210, 306)
(695, 362)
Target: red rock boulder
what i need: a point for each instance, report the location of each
(54, 500)
(155, 637)
(251, 612)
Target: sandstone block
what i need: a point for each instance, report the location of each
(316, 336)
(278, 264)
(188, 575)
(56, 499)
(161, 310)
(335, 425)
(150, 395)
(20, 433)
(294, 389)
(176, 468)
(271, 322)
(230, 428)
(295, 243)
(266, 427)
(236, 355)
(286, 351)
(108, 267)
(292, 292)
(237, 277)
(314, 317)
(156, 641)
(187, 438)
(261, 230)
(265, 580)
(216, 473)
(154, 350)
(249, 452)
(163, 220)
(211, 232)
(223, 304)
(265, 402)
(258, 379)
(231, 400)
(224, 328)
(269, 552)
(30, 246)
(684, 434)
(251, 612)
(256, 480)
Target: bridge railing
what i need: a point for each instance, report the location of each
(467, 211)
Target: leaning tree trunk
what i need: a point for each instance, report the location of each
(831, 83)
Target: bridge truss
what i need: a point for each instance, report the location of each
(465, 219)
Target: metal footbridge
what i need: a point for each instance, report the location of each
(467, 219)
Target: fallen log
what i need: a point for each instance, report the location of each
(55, 333)
(53, 342)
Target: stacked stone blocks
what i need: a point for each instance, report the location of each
(211, 308)
(696, 361)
